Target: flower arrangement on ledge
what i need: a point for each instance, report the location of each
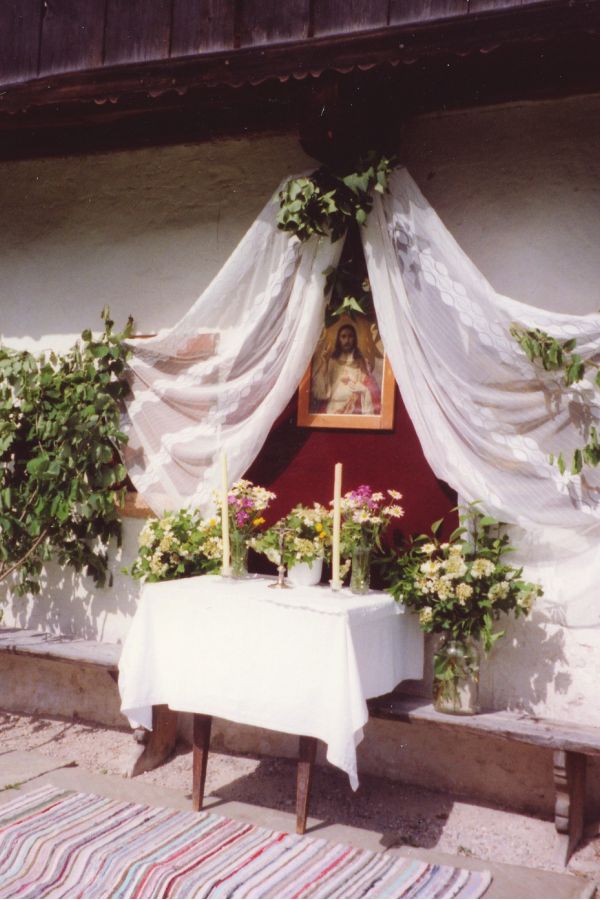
(178, 545)
(460, 588)
(365, 516)
(307, 533)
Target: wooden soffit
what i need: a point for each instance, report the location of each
(60, 51)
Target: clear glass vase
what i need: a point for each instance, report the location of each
(456, 677)
(360, 576)
(239, 554)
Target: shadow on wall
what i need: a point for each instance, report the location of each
(508, 678)
(70, 604)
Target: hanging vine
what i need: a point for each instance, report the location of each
(556, 356)
(332, 203)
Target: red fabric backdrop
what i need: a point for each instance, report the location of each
(297, 463)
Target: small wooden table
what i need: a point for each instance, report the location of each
(306, 757)
(301, 661)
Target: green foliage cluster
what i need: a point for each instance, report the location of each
(305, 533)
(349, 294)
(59, 469)
(553, 355)
(178, 545)
(460, 587)
(556, 356)
(326, 202)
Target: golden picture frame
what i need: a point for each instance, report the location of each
(349, 382)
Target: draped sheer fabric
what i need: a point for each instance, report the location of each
(487, 419)
(219, 378)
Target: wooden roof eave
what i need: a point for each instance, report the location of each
(305, 58)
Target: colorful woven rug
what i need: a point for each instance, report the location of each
(55, 843)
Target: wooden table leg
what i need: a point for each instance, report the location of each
(202, 726)
(153, 747)
(569, 784)
(306, 758)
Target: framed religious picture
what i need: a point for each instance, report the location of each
(349, 383)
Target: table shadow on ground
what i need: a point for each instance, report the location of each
(403, 814)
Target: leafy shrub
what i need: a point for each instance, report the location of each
(60, 473)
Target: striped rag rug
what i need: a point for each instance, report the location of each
(57, 843)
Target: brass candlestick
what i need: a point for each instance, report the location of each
(281, 582)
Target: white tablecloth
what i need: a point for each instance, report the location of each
(301, 661)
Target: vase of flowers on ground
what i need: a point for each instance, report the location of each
(365, 516)
(178, 545)
(306, 543)
(246, 504)
(460, 588)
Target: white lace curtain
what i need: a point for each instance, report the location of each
(219, 378)
(486, 419)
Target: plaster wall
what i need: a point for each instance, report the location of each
(145, 231)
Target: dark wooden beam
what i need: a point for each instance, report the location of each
(336, 115)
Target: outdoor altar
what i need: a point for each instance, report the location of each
(302, 661)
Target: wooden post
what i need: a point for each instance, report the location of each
(202, 726)
(306, 758)
(569, 783)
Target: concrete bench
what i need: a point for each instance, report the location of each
(569, 742)
(151, 747)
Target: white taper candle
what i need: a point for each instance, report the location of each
(337, 522)
(226, 569)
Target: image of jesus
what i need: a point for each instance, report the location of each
(342, 383)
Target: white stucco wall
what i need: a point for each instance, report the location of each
(519, 187)
(145, 231)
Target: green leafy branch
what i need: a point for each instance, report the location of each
(347, 287)
(333, 203)
(326, 202)
(59, 470)
(556, 356)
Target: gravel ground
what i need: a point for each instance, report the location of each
(403, 814)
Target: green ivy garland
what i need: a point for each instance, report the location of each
(326, 202)
(555, 356)
(331, 203)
